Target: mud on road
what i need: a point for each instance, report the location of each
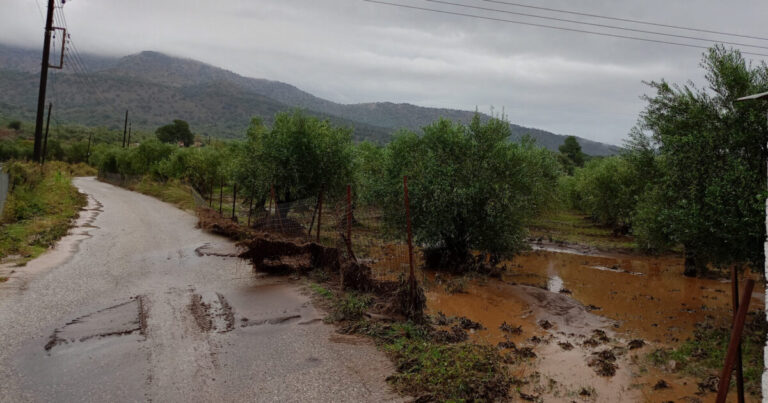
(146, 307)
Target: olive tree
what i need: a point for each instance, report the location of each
(470, 189)
(711, 151)
(299, 156)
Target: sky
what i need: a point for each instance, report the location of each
(352, 51)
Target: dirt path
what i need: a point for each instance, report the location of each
(126, 310)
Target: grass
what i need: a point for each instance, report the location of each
(566, 226)
(426, 368)
(439, 371)
(704, 354)
(39, 210)
(173, 192)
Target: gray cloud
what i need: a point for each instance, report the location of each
(352, 51)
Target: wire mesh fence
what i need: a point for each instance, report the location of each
(360, 232)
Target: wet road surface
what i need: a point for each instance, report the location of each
(126, 309)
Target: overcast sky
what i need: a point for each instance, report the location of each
(352, 51)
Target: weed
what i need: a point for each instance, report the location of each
(38, 210)
(703, 354)
(351, 307)
(456, 285)
(320, 290)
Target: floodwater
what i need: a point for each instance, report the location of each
(627, 296)
(648, 296)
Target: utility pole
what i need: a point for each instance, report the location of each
(125, 127)
(43, 83)
(47, 125)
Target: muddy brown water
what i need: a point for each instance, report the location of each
(628, 296)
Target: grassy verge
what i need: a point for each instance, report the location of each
(39, 208)
(426, 368)
(172, 191)
(564, 226)
(703, 355)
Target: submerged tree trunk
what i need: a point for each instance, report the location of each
(694, 264)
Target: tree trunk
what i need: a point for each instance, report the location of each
(694, 265)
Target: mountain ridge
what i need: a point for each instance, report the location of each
(158, 88)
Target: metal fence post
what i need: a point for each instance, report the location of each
(739, 370)
(349, 216)
(221, 195)
(733, 345)
(319, 214)
(234, 201)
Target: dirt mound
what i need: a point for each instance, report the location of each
(275, 255)
(211, 221)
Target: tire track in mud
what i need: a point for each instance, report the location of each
(216, 315)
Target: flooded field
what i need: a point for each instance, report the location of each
(629, 297)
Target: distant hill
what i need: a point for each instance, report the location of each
(158, 88)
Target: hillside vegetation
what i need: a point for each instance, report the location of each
(158, 88)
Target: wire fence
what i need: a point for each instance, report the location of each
(359, 232)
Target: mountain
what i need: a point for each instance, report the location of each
(157, 88)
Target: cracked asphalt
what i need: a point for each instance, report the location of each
(124, 309)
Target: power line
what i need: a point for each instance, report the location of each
(550, 26)
(625, 20)
(596, 25)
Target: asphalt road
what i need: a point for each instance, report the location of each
(125, 309)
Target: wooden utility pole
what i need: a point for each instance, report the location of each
(125, 127)
(45, 141)
(43, 83)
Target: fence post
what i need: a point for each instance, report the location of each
(277, 209)
(408, 227)
(739, 370)
(221, 195)
(733, 345)
(234, 201)
(319, 214)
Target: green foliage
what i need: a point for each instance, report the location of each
(147, 158)
(15, 125)
(176, 132)
(571, 150)
(299, 156)
(711, 152)
(703, 354)
(19, 149)
(605, 189)
(469, 188)
(453, 372)
(351, 306)
(320, 290)
(39, 208)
